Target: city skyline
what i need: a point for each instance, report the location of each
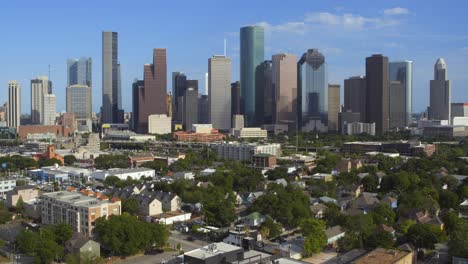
(399, 30)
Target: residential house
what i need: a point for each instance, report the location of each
(83, 246)
(352, 190)
(463, 209)
(334, 234)
(184, 175)
(254, 219)
(425, 217)
(386, 256)
(390, 201)
(346, 165)
(363, 204)
(318, 210)
(386, 228)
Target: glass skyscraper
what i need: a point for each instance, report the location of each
(79, 71)
(401, 93)
(312, 92)
(252, 52)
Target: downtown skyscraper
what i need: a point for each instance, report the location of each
(312, 92)
(400, 93)
(284, 82)
(377, 97)
(152, 96)
(440, 93)
(252, 54)
(78, 92)
(110, 112)
(14, 104)
(219, 91)
(79, 71)
(40, 87)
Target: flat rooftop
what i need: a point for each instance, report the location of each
(212, 250)
(76, 199)
(382, 256)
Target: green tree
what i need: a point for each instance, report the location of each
(370, 182)
(405, 226)
(458, 243)
(314, 232)
(451, 221)
(27, 241)
(112, 180)
(218, 210)
(383, 214)
(69, 160)
(62, 232)
(19, 205)
(380, 238)
(274, 229)
(448, 199)
(49, 162)
(422, 236)
(362, 226)
(130, 206)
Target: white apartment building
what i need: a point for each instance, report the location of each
(241, 151)
(250, 132)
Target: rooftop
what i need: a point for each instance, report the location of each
(76, 199)
(212, 250)
(382, 256)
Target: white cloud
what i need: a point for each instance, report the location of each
(396, 11)
(290, 27)
(349, 21)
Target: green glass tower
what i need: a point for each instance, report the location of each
(252, 53)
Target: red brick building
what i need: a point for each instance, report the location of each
(199, 137)
(59, 131)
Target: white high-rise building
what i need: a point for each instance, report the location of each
(219, 91)
(39, 87)
(441, 91)
(14, 104)
(49, 109)
(206, 83)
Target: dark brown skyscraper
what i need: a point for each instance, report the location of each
(235, 98)
(377, 92)
(334, 103)
(355, 96)
(152, 97)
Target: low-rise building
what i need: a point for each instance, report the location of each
(243, 151)
(263, 160)
(28, 131)
(334, 234)
(386, 256)
(6, 185)
(250, 132)
(159, 124)
(26, 192)
(83, 246)
(78, 209)
(360, 128)
(184, 175)
(445, 131)
(123, 174)
(212, 136)
(136, 159)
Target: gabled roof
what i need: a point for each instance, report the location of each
(333, 231)
(316, 208)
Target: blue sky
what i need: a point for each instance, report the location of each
(35, 34)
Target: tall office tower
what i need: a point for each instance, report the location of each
(400, 93)
(355, 96)
(269, 99)
(136, 87)
(179, 82)
(192, 84)
(14, 104)
(203, 109)
(110, 78)
(152, 98)
(169, 105)
(377, 98)
(39, 88)
(252, 54)
(312, 91)
(120, 118)
(190, 108)
(49, 109)
(441, 92)
(219, 94)
(334, 106)
(79, 71)
(284, 80)
(79, 102)
(206, 83)
(235, 98)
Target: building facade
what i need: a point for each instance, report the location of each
(242, 151)
(440, 93)
(284, 81)
(190, 108)
(269, 98)
(79, 210)
(334, 106)
(312, 92)
(235, 99)
(400, 93)
(159, 124)
(39, 88)
(110, 78)
(49, 109)
(79, 71)
(152, 96)
(355, 90)
(79, 102)
(252, 54)
(377, 97)
(219, 86)
(14, 104)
